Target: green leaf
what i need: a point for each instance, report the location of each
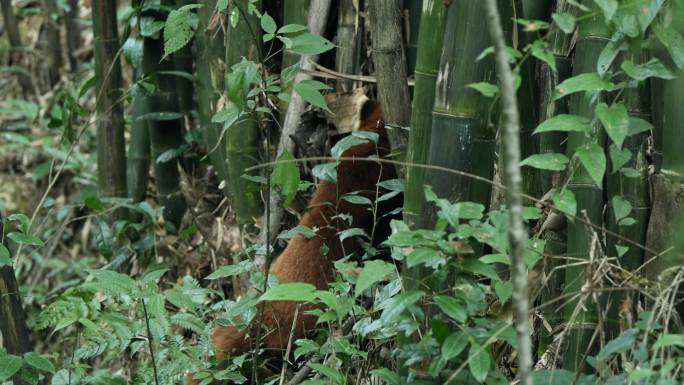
(653, 68)
(664, 340)
(424, 256)
(333, 374)
(565, 123)
(390, 377)
(231, 270)
(504, 290)
(373, 272)
(487, 89)
(309, 90)
(9, 365)
(615, 121)
(531, 212)
(309, 44)
(293, 291)
(39, 362)
(179, 28)
(133, 51)
(583, 82)
(593, 159)
(555, 162)
(621, 344)
(638, 125)
(609, 53)
(618, 157)
(452, 307)
(480, 361)
(454, 344)
(5, 257)
(541, 52)
(398, 304)
(565, 202)
(268, 24)
(349, 141)
(534, 252)
(621, 207)
(26, 239)
(297, 230)
(673, 42)
(554, 377)
(292, 28)
(609, 7)
(475, 266)
(286, 176)
(564, 21)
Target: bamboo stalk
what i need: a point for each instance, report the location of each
(347, 53)
(14, 37)
(73, 33)
(241, 138)
(165, 125)
(111, 153)
(593, 36)
(138, 152)
(54, 45)
(430, 39)
(390, 64)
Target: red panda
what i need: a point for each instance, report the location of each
(302, 259)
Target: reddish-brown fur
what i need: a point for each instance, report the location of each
(302, 261)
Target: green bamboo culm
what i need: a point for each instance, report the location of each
(413, 11)
(430, 39)
(560, 44)
(241, 145)
(183, 63)
(666, 183)
(528, 93)
(138, 151)
(111, 145)
(347, 54)
(463, 136)
(165, 124)
(582, 318)
(294, 12)
(209, 50)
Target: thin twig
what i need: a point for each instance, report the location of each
(289, 344)
(150, 342)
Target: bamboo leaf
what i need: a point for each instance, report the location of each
(594, 161)
(615, 120)
(310, 44)
(552, 161)
(566, 123)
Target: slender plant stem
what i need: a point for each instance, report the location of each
(517, 236)
(150, 342)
